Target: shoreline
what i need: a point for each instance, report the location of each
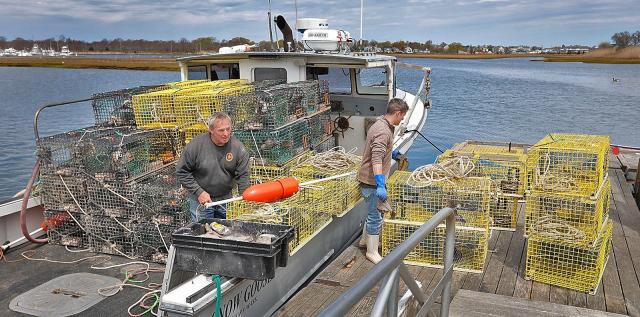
(157, 64)
(170, 64)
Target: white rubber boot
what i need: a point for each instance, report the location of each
(363, 238)
(373, 241)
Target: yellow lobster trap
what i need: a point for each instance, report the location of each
(197, 106)
(505, 164)
(573, 163)
(469, 253)
(567, 264)
(471, 196)
(335, 196)
(306, 221)
(568, 217)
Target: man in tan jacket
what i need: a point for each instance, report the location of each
(374, 171)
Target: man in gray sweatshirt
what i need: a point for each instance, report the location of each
(211, 165)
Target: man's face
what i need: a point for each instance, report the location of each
(221, 132)
(397, 117)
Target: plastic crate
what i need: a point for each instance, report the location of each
(230, 258)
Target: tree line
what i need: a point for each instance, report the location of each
(202, 44)
(623, 39)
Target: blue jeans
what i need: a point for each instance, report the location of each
(207, 213)
(374, 217)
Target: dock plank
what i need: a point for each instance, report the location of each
(469, 303)
(597, 301)
(540, 291)
(495, 266)
(624, 238)
(612, 286)
(507, 283)
(473, 280)
(558, 295)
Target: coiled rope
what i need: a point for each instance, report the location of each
(335, 160)
(454, 168)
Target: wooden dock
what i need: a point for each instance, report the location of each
(619, 290)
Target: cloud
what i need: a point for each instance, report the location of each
(475, 21)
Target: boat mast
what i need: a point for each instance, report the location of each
(270, 28)
(361, 14)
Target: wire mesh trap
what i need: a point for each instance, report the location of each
(470, 249)
(573, 163)
(566, 264)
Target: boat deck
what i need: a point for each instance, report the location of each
(23, 275)
(619, 290)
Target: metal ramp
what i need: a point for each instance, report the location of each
(469, 303)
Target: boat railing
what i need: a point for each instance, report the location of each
(421, 94)
(392, 270)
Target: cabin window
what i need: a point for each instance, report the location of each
(197, 72)
(371, 81)
(339, 80)
(225, 71)
(260, 74)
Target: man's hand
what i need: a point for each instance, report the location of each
(381, 190)
(395, 154)
(204, 198)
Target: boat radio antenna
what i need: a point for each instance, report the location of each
(361, 14)
(270, 28)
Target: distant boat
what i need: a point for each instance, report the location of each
(65, 51)
(35, 50)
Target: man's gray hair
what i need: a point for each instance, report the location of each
(217, 116)
(397, 104)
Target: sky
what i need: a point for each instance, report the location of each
(500, 22)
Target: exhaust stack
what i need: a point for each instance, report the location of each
(287, 34)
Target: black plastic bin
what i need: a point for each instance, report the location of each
(251, 260)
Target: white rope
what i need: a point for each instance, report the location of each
(454, 168)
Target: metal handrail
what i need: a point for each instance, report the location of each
(392, 265)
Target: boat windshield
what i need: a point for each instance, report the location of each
(371, 81)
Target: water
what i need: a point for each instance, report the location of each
(503, 100)
(24, 90)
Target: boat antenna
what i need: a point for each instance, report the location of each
(295, 38)
(361, 14)
(270, 27)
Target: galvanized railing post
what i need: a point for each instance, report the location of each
(449, 245)
(391, 268)
(392, 301)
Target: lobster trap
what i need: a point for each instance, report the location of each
(566, 264)
(198, 106)
(115, 108)
(568, 217)
(334, 196)
(505, 163)
(282, 145)
(305, 221)
(65, 228)
(413, 201)
(125, 153)
(275, 106)
(153, 238)
(142, 198)
(573, 163)
(470, 249)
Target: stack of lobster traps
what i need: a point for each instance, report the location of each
(567, 209)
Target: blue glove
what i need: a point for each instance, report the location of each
(395, 154)
(381, 190)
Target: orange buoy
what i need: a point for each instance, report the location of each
(271, 191)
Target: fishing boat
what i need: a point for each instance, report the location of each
(360, 87)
